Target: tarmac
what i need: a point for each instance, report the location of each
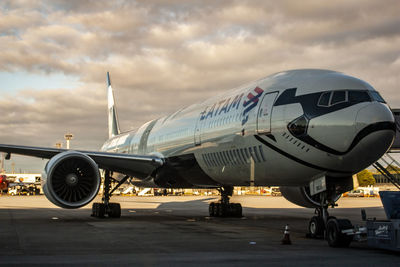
(176, 231)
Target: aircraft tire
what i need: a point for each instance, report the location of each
(216, 209)
(114, 210)
(316, 227)
(237, 210)
(211, 209)
(219, 210)
(98, 210)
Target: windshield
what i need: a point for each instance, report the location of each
(377, 97)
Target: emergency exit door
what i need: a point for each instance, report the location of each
(264, 113)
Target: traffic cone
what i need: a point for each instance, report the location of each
(286, 236)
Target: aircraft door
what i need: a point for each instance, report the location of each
(264, 113)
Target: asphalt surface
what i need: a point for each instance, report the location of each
(175, 231)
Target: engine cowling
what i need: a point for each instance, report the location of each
(71, 180)
(301, 196)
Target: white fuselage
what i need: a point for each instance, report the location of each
(249, 135)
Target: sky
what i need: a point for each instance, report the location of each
(163, 55)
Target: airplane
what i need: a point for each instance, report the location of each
(307, 131)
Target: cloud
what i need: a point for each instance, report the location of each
(163, 55)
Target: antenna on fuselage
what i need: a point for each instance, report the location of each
(113, 124)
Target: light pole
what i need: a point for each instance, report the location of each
(2, 162)
(68, 137)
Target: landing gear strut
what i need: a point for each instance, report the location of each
(113, 210)
(324, 226)
(224, 208)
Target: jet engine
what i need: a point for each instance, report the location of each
(71, 179)
(301, 196)
(335, 187)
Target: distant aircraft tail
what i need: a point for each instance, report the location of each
(113, 125)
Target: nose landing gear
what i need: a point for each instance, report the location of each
(224, 208)
(329, 227)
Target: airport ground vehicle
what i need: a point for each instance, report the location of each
(22, 189)
(18, 190)
(379, 233)
(306, 131)
(356, 193)
(275, 192)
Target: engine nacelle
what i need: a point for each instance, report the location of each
(71, 180)
(335, 187)
(301, 196)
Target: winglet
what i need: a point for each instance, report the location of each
(113, 124)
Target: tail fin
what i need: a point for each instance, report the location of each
(113, 125)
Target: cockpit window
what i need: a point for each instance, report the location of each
(324, 99)
(331, 98)
(377, 97)
(338, 97)
(359, 96)
(298, 126)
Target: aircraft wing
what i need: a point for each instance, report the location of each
(132, 165)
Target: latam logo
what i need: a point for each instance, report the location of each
(222, 107)
(233, 103)
(252, 100)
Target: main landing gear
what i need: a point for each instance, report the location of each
(224, 208)
(113, 210)
(329, 227)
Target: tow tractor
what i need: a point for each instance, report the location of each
(383, 234)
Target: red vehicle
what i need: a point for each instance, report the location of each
(3, 184)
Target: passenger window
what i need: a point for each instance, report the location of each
(338, 97)
(358, 97)
(324, 99)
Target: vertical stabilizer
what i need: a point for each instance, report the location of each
(113, 125)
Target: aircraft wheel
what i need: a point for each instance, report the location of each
(239, 210)
(211, 209)
(236, 210)
(114, 210)
(219, 210)
(316, 227)
(98, 210)
(334, 234)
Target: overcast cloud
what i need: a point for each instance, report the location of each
(166, 54)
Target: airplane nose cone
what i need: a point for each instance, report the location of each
(374, 113)
(375, 133)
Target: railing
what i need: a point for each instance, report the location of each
(389, 161)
